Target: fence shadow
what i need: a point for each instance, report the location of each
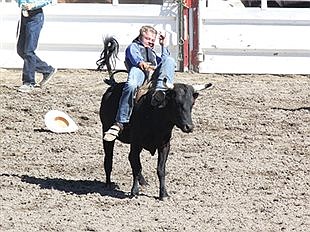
(79, 187)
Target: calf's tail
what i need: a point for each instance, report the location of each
(108, 55)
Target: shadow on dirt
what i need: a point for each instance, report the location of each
(292, 110)
(79, 187)
(42, 130)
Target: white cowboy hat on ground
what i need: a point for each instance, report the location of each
(59, 122)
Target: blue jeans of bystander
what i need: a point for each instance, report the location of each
(30, 28)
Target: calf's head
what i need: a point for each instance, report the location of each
(179, 102)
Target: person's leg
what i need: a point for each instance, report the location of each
(135, 79)
(41, 66)
(21, 38)
(165, 72)
(33, 26)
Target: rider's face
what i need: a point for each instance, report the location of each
(148, 39)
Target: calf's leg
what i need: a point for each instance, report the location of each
(161, 169)
(108, 160)
(135, 163)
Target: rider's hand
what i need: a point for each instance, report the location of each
(145, 66)
(162, 38)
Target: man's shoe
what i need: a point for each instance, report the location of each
(113, 132)
(47, 77)
(25, 88)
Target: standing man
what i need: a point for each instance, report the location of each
(32, 19)
(140, 59)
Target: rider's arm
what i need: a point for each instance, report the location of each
(134, 55)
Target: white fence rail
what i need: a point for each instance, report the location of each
(232, 38)
(72, 36)
(254, 40)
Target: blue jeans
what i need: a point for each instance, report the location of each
(30, 29)
(135, 79)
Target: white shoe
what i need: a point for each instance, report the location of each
(112, 133)
(25, 88)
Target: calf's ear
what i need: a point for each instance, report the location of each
(195, 95)
(167, 97)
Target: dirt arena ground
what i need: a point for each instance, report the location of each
(246, 167)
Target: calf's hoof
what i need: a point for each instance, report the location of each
(135, 191)
(163, 195)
